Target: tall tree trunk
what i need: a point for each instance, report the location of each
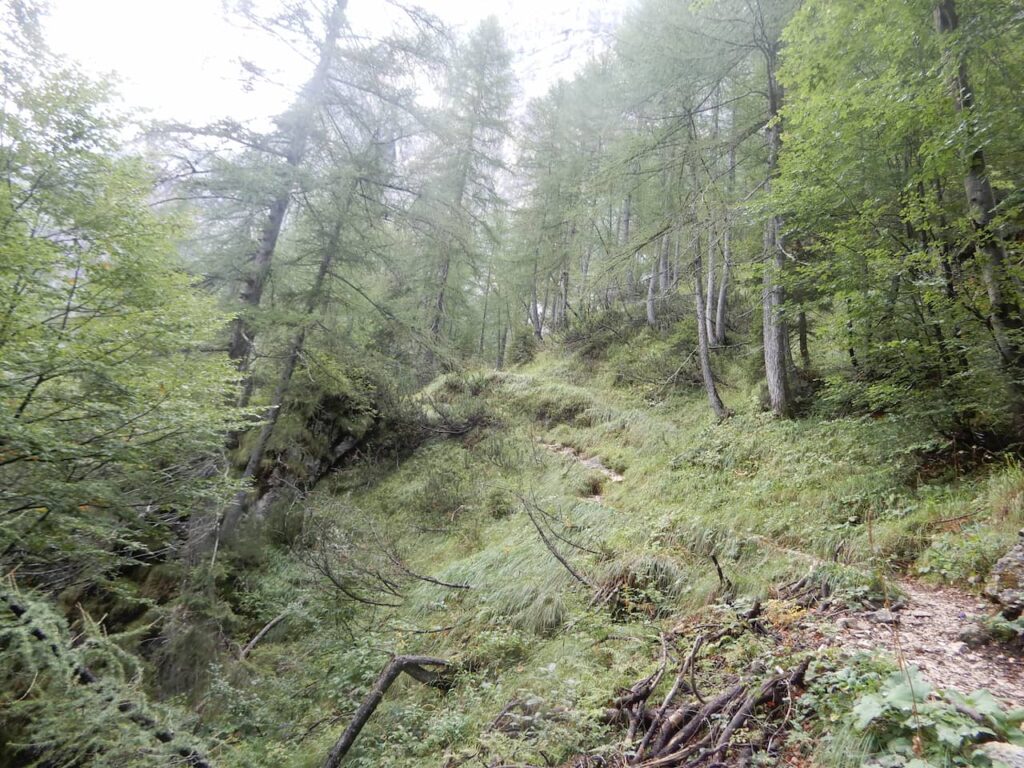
(722, 303)
(235, 510)
(805, 353)
(563, 299)
(502, 341)
(535, 319)
(652, 282)
(703, 347)
(776, 333)
(663, 266)
(487, 296)
(1005, 313)
(720, 306)
(709, 313)
(546, 303)
(302, 125)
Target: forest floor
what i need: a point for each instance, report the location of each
(925, 633)
(920, 629)
(640, 492)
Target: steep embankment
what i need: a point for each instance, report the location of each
(594, 559)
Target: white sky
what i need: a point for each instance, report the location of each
(178, 59)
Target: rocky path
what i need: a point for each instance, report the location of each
(591, 462)
(925, 633)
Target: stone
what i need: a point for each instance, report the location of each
(1005, 584)
(974, 635)
(959, 648)
(1009, 754)
(851, 622)
(884, 616)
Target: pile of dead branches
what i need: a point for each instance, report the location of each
(747, 716)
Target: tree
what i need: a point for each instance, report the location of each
(460, 196)
(111, 406)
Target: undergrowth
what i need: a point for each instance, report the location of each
(447, 546)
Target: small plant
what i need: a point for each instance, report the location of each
(963, 557)
(904, 724)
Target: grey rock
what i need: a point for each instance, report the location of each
(1005, 584)
(884, 616)
(1008, 754)
(851, 622)
(973, 635)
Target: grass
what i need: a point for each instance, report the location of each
(770, 499)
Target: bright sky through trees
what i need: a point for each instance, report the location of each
(182, 60)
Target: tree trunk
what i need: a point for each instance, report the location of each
(719, 337)
(703, 349)
(805, 353)
(663, 267)
(251, 292)
(563, 299)
(535, 319)
(502, 341)
(544, 306)
(483, 320)
(710, 295)
(1005, 315)
(652, 281)
(772, 297)
(437, 318)
(235, 510)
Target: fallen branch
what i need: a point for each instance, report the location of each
(412, 666)
(554, 550)
(262, 633)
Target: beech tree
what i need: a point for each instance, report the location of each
(111, 405)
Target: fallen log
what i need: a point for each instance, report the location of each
(412, 666)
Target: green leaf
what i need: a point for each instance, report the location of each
(866, 710)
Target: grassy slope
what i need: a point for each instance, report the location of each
(764, 496)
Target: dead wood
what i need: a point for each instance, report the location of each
(262, 633)
(688, 731)
(554, 550)
(412, 666)
(691, 737)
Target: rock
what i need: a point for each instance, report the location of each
(883, 616)
(1005, 584)
(851, 622)
(1009, 754)
(959, 648)
(974, 635)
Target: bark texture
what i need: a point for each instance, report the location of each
(412, 666)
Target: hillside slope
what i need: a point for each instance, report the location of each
(507, 546)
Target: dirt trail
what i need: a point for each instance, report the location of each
(592, 462)
(925, 634)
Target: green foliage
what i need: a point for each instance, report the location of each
(904, 726)
(524, 347)
(76, 702)
(109, 405)
(875, 154)
(966, 556)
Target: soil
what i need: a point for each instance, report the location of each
(922, 630)
(924, 633)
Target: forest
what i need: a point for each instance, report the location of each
(672, 418)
